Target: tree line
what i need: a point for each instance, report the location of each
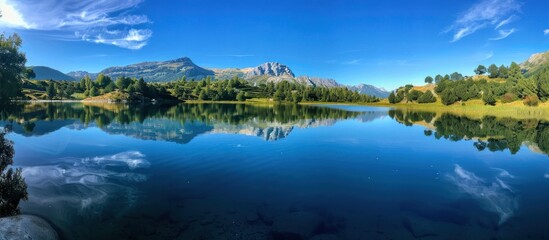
(504, 84)
(409, 94)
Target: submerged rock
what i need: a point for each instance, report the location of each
(26, 227)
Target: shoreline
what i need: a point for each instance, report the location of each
(472, 109)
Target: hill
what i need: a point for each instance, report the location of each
(47, 73)
(164, 71)
(535, 63)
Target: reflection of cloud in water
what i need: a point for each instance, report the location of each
(496, 195)
(84, 185)
(133, 159)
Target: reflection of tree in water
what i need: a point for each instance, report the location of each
(13, 188)
(408, 118)
(490, 133)
(179, 123)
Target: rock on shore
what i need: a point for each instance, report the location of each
(26, 227)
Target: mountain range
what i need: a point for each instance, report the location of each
(165, 71)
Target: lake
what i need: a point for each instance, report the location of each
(235, 171)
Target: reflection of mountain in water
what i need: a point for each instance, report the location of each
(177, 123)
(489, 133)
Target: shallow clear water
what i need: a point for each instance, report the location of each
(284, 172)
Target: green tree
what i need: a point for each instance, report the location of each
(202, 95)
(122, 83)
(488, 98)
(480, 70)
(456, 76)
(279, 95)
(13, 188)
(12, 67)
(526, 87)
(448, 96)
(438, 78)
(392, 98)
(29, 74)
(427, 97)
(102, 81)
(50, 91)
(503, 71)
(241, 96)
(110, 87)
(428, 80)
(494, 71)
(413, 95)
(541, 78)
(93, 92)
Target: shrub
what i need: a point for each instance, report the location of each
(489, 98)
(531, 100)
(508, 97)
(427, 97)
(413, 95)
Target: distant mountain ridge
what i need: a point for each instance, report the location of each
(165, 71)
(82, 74)
(535, 62)
(47, 73)
(371, 90)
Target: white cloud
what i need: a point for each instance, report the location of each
(107, 22)
(506, 21)
(546, 32)
(11, 17)
(496, 13)
(503, 34)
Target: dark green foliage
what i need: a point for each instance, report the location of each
(438, 78)
(13, 188)
(488, 98)
(12, 67)
(480, 70)
(494, 71)
(526, 87)
(29, 74)
(241, 96)
(51, 90)
(122, 83)
(392, 98)
(102, 81)
(503, 71)
(456, 76)
(429, 80)
(542, 79)
(413, 95)
(427, 97)
(448, 96)
(453, 88)
(93, 92)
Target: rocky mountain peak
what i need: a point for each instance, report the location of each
(182, 60)
(274, 69)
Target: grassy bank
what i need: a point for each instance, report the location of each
(477, 109)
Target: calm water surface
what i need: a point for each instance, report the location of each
(283, 172)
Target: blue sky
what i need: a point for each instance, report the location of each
(385, 43)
